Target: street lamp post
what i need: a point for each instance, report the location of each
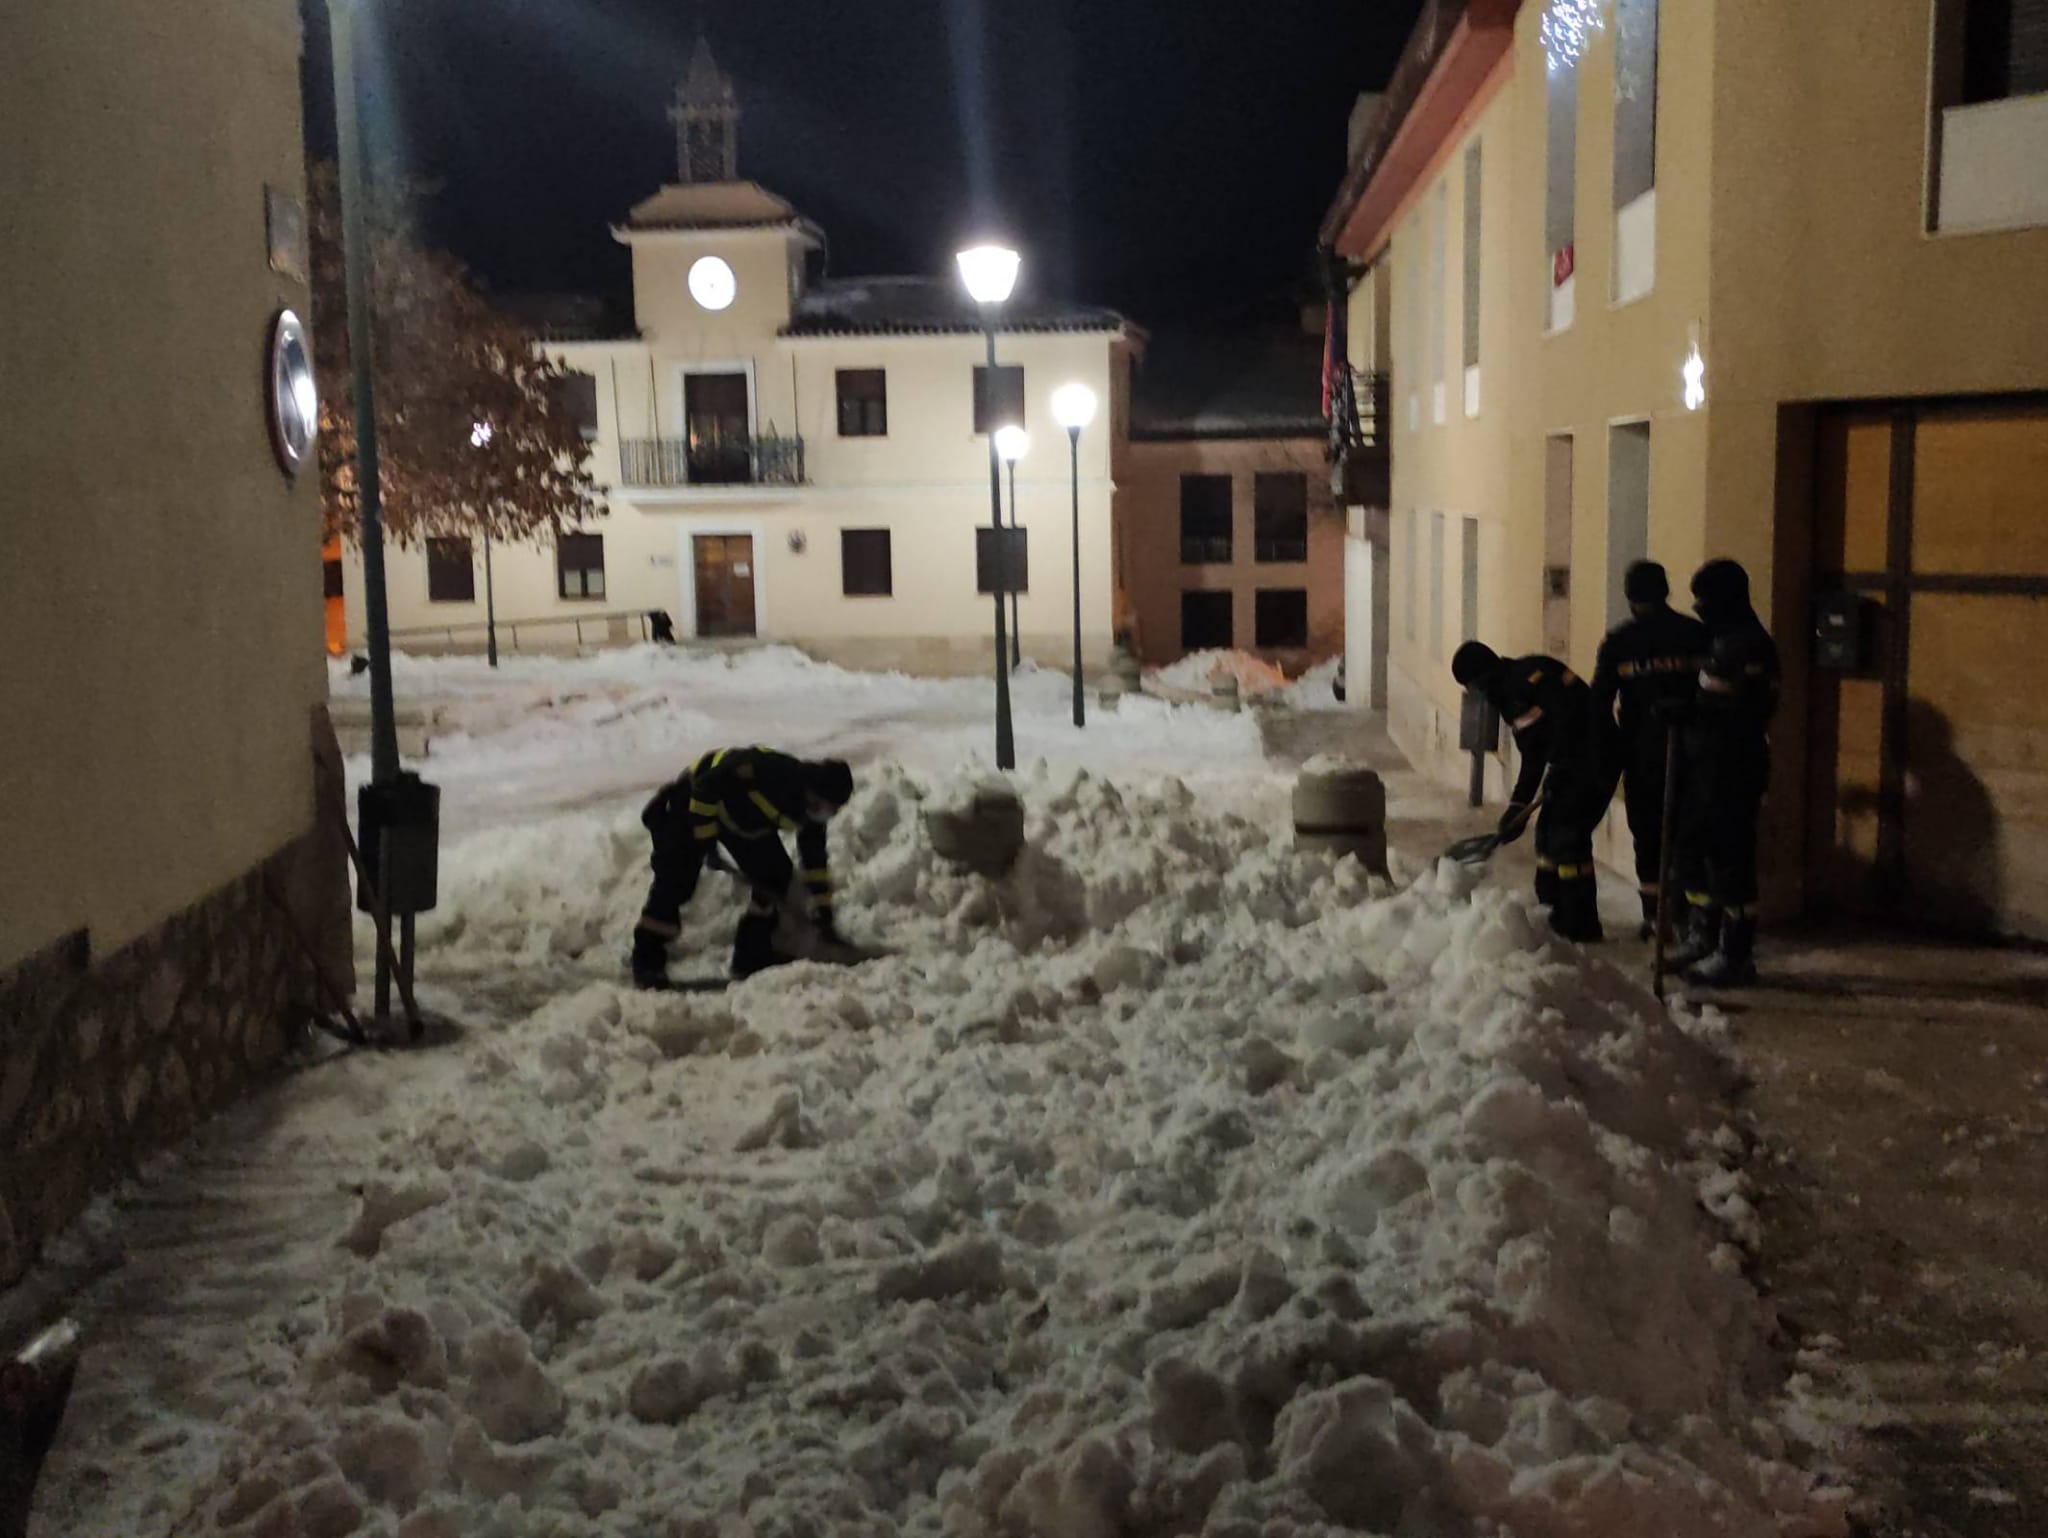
(480, 438)
(1013, 443)
(355, 240)
(990, 273)
(1073, 407)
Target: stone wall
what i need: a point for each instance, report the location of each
(103, 1060)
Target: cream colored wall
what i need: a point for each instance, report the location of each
(1151, 503)
(927, 482)
(1826, 283)
(158, 575)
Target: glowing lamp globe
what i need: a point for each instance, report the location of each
(1012, 443)
(1073, 406)
(990, 272)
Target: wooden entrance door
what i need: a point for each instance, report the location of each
(725, 583)
(1930, 765)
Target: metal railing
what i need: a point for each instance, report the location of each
(766, 459)
(1355, 410)
(618, 626)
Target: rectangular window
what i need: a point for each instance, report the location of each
(579, 565)
(1635, 149)
(1468, 616)
(451, 571)
(864, 403)
(1280, 617)
(1205, 622)
(864, 569)
(1205, 520)
(985, 580)
(576, 392)
(1561, 189)
(1280, 516)
(1436, 586)
(1439, 281)
(2005, 49)
(1628, 509)
(1008, 405)
(330, 572)
(1472, 190)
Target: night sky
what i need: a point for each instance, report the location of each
(1167, 157)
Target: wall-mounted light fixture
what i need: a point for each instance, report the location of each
(797, 541)
(1692, 374)
(292, 396)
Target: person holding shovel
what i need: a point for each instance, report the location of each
(743, 800)
(1647, 661)
(1549, 709)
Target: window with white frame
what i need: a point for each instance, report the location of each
(1990, 128)
(1635, 148)
(1439, 238)
(1561, 186)
(1473, 187)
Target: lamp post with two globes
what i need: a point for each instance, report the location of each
(1073, 407)
(1012, 444)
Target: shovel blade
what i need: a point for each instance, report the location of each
(1476, 850)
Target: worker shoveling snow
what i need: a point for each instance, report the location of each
(1173, 1183)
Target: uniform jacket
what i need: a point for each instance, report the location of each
(745, 793)
(1645, 660)
(1549, 709)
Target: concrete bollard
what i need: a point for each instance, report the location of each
(1125, 669)
(1223, 693)
(1342, 808)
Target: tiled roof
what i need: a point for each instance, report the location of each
(934, 306)
(1260, 384)
(712, 206)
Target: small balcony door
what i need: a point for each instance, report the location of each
(717, 429)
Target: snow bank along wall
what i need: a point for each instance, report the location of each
(158, 591)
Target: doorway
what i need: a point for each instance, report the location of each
(1628, 509)
(724, 567)
(716, 429)
(1557, 544)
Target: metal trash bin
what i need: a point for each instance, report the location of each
(402, 819)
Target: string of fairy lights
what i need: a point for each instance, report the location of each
(1567, 27)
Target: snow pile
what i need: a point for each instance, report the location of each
(1176, 1183)
(1315, 689)
(1201, 670)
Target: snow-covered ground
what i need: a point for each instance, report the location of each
(1176, 1183)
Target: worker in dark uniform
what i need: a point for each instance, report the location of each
(743, 799)
(1549, 709)
(1727, 764)
(1654, 655)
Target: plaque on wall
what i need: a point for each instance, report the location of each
(284, 220)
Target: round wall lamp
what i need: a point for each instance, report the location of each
(293, 397)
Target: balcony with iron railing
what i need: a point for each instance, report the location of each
(713, 459)
(1359, 470)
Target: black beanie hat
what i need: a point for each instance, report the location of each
(1473, 662)
(1722, 586)
(830, 779)
(1645, 582)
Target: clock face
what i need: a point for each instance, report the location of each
(712, 283)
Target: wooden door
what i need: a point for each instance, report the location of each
(725, 584)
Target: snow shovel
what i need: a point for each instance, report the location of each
(836, 952)
(1480, 847)
(1666, 861)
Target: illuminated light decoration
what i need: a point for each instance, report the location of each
(1693, 373)
(480, 435)
(711, 283)
(1567, 28)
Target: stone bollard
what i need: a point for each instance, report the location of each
(1109, 694)
(986, 835)
(1342, 808)
(1125, 669)
(1223, 692)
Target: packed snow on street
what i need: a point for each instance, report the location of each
(1176, 1183)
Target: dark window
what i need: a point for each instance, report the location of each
(1280, 617)
(984, 561)
(1280, 516)
(1635, 99)
(1205, 520)
(1561, 170)
(1009, 393)
(863, 403)
(1473, 188)
(864, 562)
(330, 572)
(451, 571)
(2005, 49)
(577, 395)
(579, 565)
(1205, 622)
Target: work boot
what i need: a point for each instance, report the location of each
(1698, 940)
(1647, 930)
(649, 960)
(1546, 884)
(1577, 914)
(753, 945)
(1733, 965)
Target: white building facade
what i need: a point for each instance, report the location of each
(794, 458)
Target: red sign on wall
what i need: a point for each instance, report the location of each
(1562, 264)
